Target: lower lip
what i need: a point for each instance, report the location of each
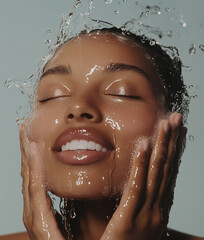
(81, 157)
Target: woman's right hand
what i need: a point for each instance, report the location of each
(38, 217)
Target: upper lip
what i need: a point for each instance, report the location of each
(83, 133)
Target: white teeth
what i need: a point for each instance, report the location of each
(92, 145)
(83, 145)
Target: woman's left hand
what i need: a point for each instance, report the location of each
(144, 208)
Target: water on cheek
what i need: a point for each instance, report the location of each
(116, 127)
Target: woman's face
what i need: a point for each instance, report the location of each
(95, 100)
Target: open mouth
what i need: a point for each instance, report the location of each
(82, 146)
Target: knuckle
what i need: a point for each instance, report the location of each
(157, 220)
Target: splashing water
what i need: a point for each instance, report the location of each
(82, 17)
(192, 49)
(201, 46)
(191, 138)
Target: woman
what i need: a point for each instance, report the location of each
(101, 137)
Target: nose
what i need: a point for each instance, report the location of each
(83, 112)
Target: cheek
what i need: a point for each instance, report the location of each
(129, 126)
(133, 122)
(43, 124)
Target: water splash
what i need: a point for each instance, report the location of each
(192, 49)
(191, 138)
(201, 47)
(81, 18)
(108, 1)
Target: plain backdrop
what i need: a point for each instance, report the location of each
(23, 31)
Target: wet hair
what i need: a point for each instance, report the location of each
(168, 66)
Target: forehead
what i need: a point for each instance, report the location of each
(98, 49)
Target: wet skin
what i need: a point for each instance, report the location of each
(82, 89)
(113, 103)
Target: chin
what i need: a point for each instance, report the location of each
(86, 191)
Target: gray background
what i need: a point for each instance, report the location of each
(23, 30)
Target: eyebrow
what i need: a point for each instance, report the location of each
(61, 70)
(116, 67)
(112, 67)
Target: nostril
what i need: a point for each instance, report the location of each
(86, 115)
(71, 116)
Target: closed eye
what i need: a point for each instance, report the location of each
(52, 98)
(125, 96)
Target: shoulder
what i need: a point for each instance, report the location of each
(176, 235)
(16, 236)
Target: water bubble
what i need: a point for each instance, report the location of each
(201, 46)
(48, 31)
(191, 138)
(108, 1)
(192, 49)
(182, 22)
(136, 3)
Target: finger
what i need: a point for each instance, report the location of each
(134, 191)
(43, 217)
(167, 198)
(171, 162)
(24, 166)
(156, 163)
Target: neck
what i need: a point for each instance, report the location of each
(92, 218)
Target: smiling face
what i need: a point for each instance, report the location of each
(97, 96)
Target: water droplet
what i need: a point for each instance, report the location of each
(167, 9)
(136, 3)
(48, 31)
(48, 41)
(169, 33)
(188, 68)
(201, 46)
(190, 86)
(182, 22)
(192, 49)
(116, 11)
(152, 42)
(108, 217)
(191, 138)
(108, 1)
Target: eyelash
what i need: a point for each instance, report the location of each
(52, 98)
(125, 96)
